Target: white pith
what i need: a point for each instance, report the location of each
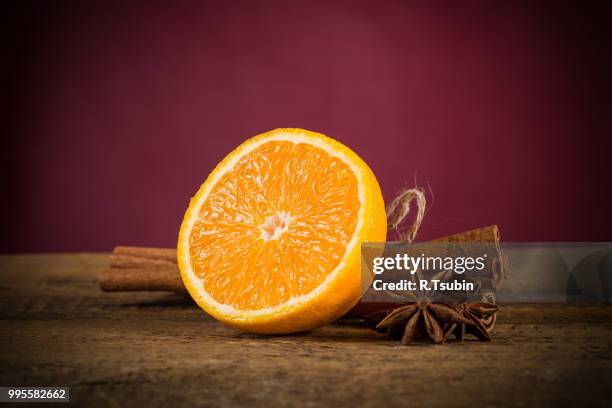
(196, 283)
(275, 225)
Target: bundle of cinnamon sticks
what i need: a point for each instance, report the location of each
(156, 269)
(142, 269)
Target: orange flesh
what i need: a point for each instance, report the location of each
(274, 226)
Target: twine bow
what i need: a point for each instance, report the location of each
(399, 209)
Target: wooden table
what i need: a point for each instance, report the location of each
(161, 350)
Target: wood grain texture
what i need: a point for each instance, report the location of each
(154, 349)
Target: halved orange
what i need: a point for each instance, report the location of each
(271, 241)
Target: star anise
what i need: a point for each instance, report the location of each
(482, 318)
(417, 320)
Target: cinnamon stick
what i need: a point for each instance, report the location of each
(146, 278)
(156, 269)
(485, 235)
(142, 269)
(166, 255)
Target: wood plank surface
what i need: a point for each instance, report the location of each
(152, 349)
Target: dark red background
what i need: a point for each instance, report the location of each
(117, 112)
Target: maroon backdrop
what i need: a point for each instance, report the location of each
(117, 112)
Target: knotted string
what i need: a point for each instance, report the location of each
(399, 209)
